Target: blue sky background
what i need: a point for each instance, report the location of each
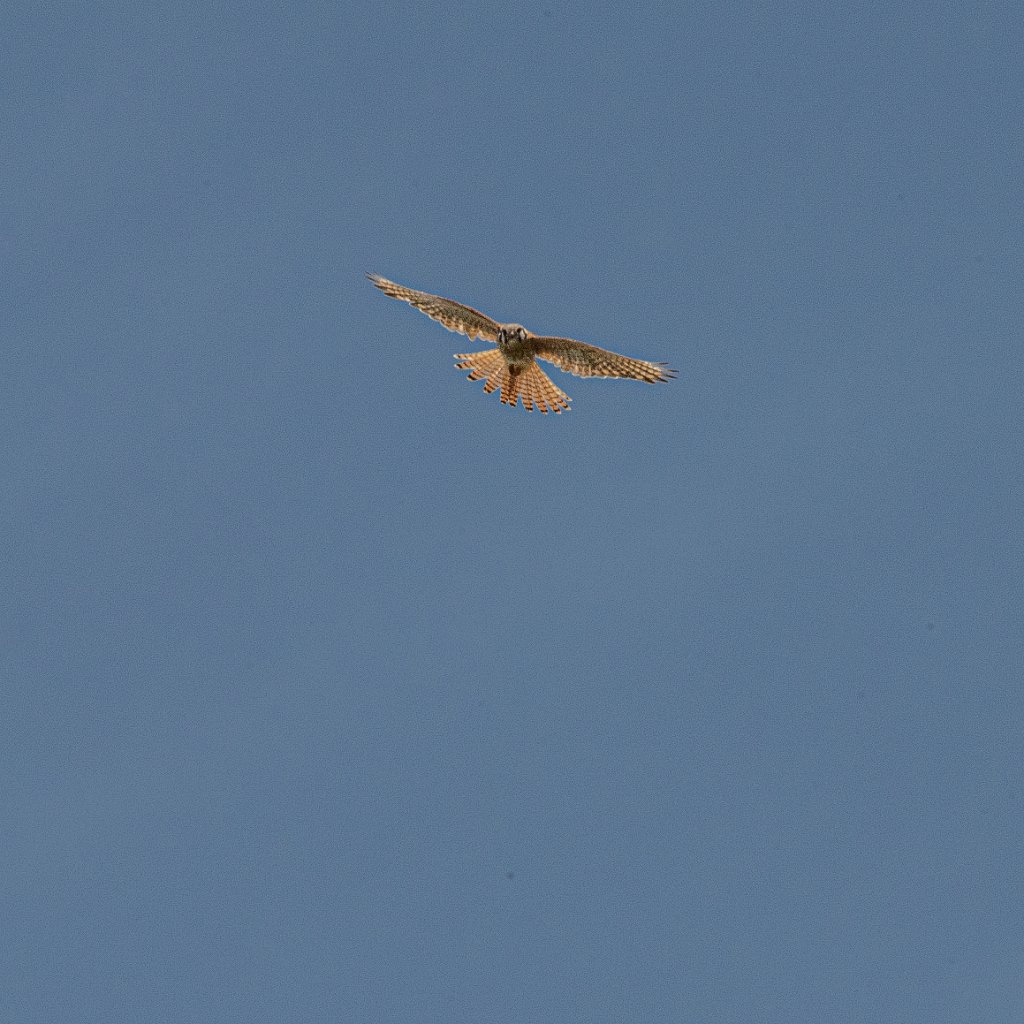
(334, 690)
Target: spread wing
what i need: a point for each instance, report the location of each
(591, 361)
(455, 316)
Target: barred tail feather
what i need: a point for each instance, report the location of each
(529, 382)
(540, 390)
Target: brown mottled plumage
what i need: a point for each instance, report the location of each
(511, 368)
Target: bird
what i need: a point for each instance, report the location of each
(511, 369)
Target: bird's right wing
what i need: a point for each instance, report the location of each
(453, 315)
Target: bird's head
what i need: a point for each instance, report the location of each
(509, 333)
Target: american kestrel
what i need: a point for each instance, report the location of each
(512, 366)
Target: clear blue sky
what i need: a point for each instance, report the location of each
(333, 690)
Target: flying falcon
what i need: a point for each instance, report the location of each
(512, 366)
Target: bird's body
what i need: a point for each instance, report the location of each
(512, 366)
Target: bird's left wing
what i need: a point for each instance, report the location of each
(590, 361)
(453, 315)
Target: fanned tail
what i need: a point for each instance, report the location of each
(540, 391)
(530, 382)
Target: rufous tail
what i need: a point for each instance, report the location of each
(530, 383)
